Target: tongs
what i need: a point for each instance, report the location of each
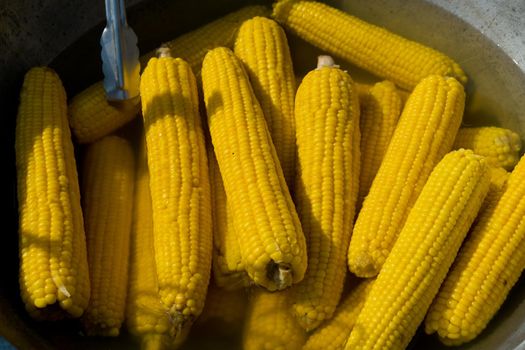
(120, 55)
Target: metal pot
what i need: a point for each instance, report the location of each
(485, 37)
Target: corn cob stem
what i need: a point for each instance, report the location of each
(272, 242)
(488, 264)
(424, 134)
(107, 192)
(54, 277)
(327, 112)
(372, 48)
(423, 253)
(262, 46)
(179, 184)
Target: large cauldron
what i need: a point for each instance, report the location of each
(485, 36)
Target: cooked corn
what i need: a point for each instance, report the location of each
(370, 47)
(423, 253)
(272, 243)
(54, 277)
(93, 117)
(262, 46)
(488, 265)
(227, 265)
(425, 132)
(180, 188)
(380, 110)
(145, 314)
(107, 196)
(327, 112)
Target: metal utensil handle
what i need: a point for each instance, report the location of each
(119, 54)
(116, 18)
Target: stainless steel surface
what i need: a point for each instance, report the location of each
(120, 55)
(485, 36)
(502, 21)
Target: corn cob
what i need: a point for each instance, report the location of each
(272, 243)
(269, 323)
(180, 188)
(107, 193)
(54, 277)
(333, 334)
(370, 47)
(431, 237)
(223, 312)
(327, 110)
(500, 146)
(488, 265)
(193, 46)
(145, 314)
(227, 264)
(262, 46)
(425, 132)
(93, 117)
(380, 110)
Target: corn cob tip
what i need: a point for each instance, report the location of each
(280, 273)
(458, 74)
(363, 265)
(325, 61)
(281, 8)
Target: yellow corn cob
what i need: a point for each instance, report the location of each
(425, 132)
(93, 117)
(54, 277)
(228, 267)
(179, 184)
(223, 312)
(272, 243)
(333, 334)
(269, 323)
(145, 314)
(423, 253)
(327, 111)
(262, 46)
(193, 46)
(380, 110)
(107, 195)
(370, 47)
(488, 265)
(500, 146)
